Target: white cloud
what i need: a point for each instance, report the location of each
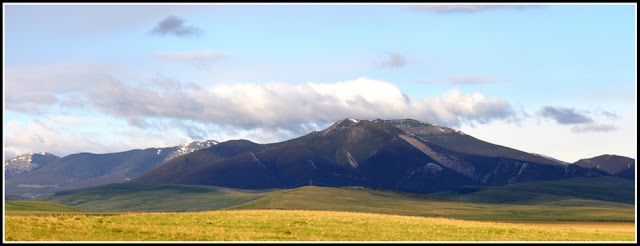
(29, 89)
(40, 136)
(60, 136)
(281, 105)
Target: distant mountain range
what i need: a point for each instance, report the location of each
(41, 174)
(403, 155)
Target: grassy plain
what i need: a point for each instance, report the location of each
(140, 212)
(357, 199)
(155, 198)
(295, 225)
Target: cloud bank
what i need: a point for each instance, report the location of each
(281, 105)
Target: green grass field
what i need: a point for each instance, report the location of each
(38, 206)
(295, 225)
(141, 212)
(155, 198)
(357, 199)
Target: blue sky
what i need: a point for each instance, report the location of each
(557, 80)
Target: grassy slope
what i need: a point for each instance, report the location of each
(148, 197)
(598, 191)
(38, 206)
(389, 202)
(551, 207)
(294, 225)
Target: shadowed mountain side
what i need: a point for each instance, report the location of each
(457, 140)
(368, 153)
(175, 168)
(86, 169)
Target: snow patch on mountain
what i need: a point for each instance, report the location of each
(187, 148)
(26, 163)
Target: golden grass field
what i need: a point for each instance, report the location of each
(298, 225)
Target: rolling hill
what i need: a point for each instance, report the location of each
(547, 204)
(594, 191)
(154, 198)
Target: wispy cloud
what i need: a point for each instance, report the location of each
(393, 60)
(593, 127)
(469, 9)
(201, 59)
(609, 114)
(174, 25)
(466, 79)
(565, 116)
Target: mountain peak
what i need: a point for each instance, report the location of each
(420, 127)
(341, 124)
(27, 162)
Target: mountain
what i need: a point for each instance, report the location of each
(86, 169)
(27, 163)
(178, 166)
(615, 165)
(404, 155)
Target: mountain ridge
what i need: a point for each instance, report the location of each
(405, 155)
(85, 169)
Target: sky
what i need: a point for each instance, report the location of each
(552, 79)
